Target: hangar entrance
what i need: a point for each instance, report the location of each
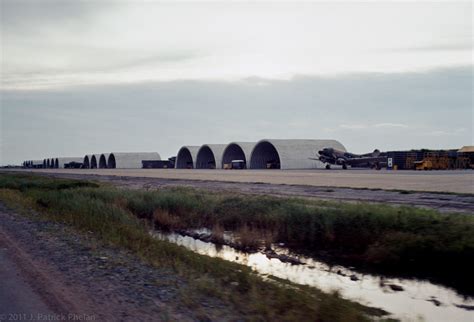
(94, 162)
(231, 153)
(265, 156)
(111, 162)
(102, 162)
(205, 159)
(86, 163)
(184, 159)
(56, 163)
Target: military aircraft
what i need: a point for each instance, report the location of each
(336, 157)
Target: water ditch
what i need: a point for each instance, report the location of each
(405, 299)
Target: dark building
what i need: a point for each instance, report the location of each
(159, 164)
(440, 159)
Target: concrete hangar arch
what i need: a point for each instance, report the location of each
(86, 163)
(209, 156)
(102, 164)
(95, 161)
(238, 151)
(186, 157)
(290, 154)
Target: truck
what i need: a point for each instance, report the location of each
(235, 164)
(423, 165)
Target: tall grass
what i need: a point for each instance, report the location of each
(405, 240)
(112, 215)
(24, 182)
(398, 240)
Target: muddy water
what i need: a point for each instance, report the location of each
(408, 300)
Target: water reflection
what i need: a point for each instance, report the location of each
(406, 299)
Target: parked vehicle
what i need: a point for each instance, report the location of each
(73, 165)
(238, 164)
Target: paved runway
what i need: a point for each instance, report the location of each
(458, 181)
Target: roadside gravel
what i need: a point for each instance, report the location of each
(74, 274)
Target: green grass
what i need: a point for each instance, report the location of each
(112, 215)
(403, 241)
(28, 182)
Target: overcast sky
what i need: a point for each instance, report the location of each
(83, 77)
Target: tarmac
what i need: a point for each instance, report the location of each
(450, 181)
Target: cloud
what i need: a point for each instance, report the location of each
(55, 44)
(461, 46)
(446, 133)
(30, 16)
(372, 126)
(163, 116)
(390, 125)
(354, 126)
(124, 61)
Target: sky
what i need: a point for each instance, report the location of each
(82, 77)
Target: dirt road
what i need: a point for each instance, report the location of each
(444, 202)
(459, 181)
(14, 289)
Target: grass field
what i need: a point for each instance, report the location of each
(398, 240)
(112, 215)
